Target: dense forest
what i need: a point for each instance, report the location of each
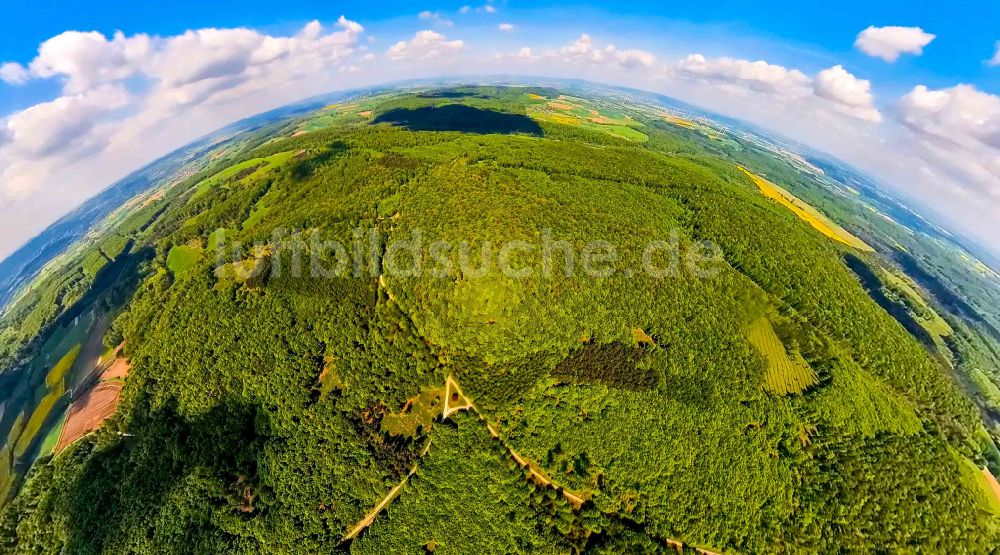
(614, 411)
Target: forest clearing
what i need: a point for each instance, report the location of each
(783, 374)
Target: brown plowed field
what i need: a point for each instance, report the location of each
(88, 412)
(118, 369)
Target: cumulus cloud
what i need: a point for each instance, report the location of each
(832, 90)
(890, 42)
(423, 46)
(14, 73)
(436, 18)
(994, 61)
(851, 94)
(956, 133)
(584, 49)
(53, 127)
(526, 54)
(128, 99)
(85, 60)
(961, 115)
(958, 130)
(485, 8)
(63, 129)
(757, 75)
(506, 27)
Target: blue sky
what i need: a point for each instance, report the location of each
(93, 107)
(788, 31)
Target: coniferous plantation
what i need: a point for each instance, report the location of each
(395, 324)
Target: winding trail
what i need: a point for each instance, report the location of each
(455, 401)
(370, 517)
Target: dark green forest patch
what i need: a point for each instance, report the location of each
(456, 117)
(873, 285)
(610, 364)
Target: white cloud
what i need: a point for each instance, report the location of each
(435, 18)
(851, 94)
(889, 43)
(960, 117)
(423, 46)
(956, 133)
(211, 54)
(485, 8)
(832, 90)
(758, 75)
(584, 49)
(14, 73)
(44, 136)
(85, 60)
(994, 61)
(127, 100)
(53, 127)
(506, 27)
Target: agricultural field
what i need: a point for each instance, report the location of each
(992, 487)
(57, 375)
(88, 412)
(51, 438)
(37, 419)
(680, 121)
(771, 404)
(583, 113)
(928, 317)
(806, 212)
(117, 370)
(784, 373)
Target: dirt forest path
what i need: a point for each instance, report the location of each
(456, 401)
(370, 517)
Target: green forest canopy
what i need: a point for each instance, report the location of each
(252, 419)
